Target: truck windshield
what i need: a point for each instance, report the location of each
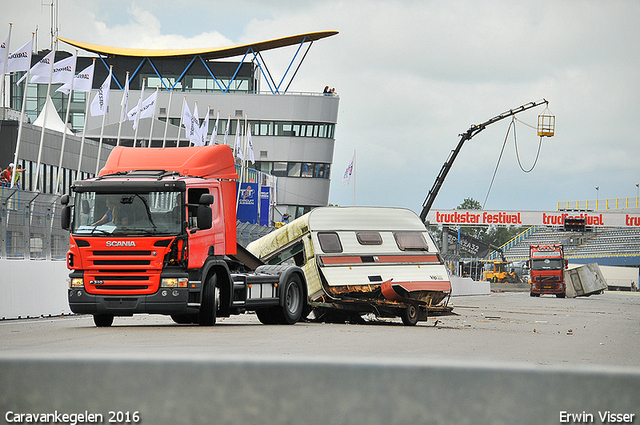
(128, 213)
(546, 264)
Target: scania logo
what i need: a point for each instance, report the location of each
(121, 243)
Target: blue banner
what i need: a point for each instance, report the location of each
(264, 205)
(248, 203)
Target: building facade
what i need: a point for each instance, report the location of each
(292, 134)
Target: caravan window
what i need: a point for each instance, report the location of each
(369, 238)
(411, 241)
(329, 242)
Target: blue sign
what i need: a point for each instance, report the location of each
(265, 197)
(248, 203)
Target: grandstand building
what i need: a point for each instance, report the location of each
(293, 134)
(607, 246)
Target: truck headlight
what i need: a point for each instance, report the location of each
(174, 282)
(76, 282)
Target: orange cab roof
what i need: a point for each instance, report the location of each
(214, 161)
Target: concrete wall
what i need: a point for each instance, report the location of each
(33, 288)
(304, 391)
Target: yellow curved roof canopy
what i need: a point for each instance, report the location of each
(206, 53)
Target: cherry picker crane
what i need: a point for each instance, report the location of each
(472, 131)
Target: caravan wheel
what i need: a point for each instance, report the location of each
(410, 315)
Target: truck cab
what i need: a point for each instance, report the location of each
(547, 264)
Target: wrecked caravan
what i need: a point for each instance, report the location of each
(361, 260)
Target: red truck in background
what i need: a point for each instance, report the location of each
(155, 232)
(547, 264)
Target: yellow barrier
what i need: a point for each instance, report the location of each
(600, 204)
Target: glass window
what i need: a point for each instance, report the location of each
(411, 241)
(293, 253)
(329, 242)
(307, 169)
(293, 169)
(309, 130)
(369, 238)
(280, 169)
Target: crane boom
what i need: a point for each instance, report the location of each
(472, 131)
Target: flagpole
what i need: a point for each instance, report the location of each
(123, 107)
(24, 105)
(46, 112)
(84, 127)
(66, 120)
(153, 114)
(4, 67)
(354, 177)
(184, 102)
(104, 116)
(137, 121)
(166, 123)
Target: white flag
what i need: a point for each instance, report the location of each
(215, 129)
(20, 60)
(186, 119)
(125, 99)
(226, 131)
(146, 110)
(40, 71)
(204, 129)
(194, 134)
(63, 71)
(346, 177)
(238, 147)
(251, 157)
(4, 51)
(82, 82)
(100, 103)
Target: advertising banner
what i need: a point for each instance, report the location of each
(533, 218)
(265, 199)
(248, 203)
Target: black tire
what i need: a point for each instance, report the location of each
(269, 316)
(534, 294)
(293, 300)
(103, 320)
(410, 315)
(561, 295)
(210, 302)
(185, 319)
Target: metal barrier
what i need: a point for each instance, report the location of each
(30, 227)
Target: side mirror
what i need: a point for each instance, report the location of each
(206, 199)
(205, 218)
(65, 218)
(64, 199)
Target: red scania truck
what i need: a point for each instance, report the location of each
(155, 232)
(547, 264)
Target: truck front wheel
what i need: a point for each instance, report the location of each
(103, 320)
(210, 303)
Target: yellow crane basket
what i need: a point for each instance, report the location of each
(546, 124)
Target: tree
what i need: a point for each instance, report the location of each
(477, 232)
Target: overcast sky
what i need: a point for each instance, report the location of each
(413, 75)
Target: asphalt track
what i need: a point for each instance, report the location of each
(506, 358)
(598, 331)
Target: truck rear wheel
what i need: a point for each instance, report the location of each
(293, 301)
(103, 320)
(410, 315)
(210, 302)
